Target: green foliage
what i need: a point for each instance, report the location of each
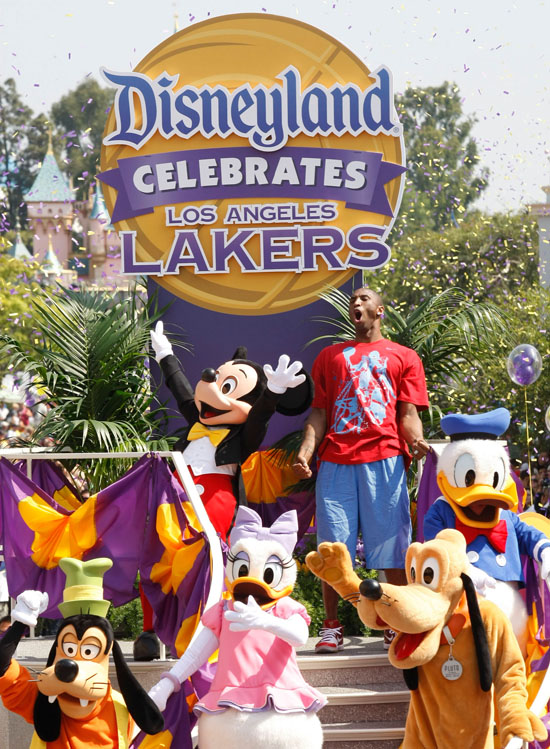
(80, 116)
(90, 369)
(442, 159)
(23, 143)
(127, 620)
(491, 258)
(16, 291)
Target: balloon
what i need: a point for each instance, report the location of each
(524, 364)
(547, 418)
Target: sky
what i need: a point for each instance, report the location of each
(498, 53)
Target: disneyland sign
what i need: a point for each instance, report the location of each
(207, 177)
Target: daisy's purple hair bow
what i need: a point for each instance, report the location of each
(248, 524)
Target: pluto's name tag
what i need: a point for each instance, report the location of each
(451, 669)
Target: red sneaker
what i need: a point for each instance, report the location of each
(332, 637)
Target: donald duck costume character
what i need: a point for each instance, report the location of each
(478, 498)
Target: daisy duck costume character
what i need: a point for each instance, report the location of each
(478, 498)
(228, 413)
(258, 697)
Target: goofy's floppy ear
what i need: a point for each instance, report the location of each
(241, 352)
(46, 715)
(140, 706)
(479, 634)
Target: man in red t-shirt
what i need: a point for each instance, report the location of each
(364, 414)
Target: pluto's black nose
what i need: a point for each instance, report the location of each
(208, 375)
(66, 670)
(371, 589)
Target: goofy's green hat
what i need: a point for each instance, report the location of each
(83, 592)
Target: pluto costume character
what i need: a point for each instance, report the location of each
(451, 653)
(228, 413)
(258, 697)
(71, 702)
(478, 499)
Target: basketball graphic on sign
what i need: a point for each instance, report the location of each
(243, 163)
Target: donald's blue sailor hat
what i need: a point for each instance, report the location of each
(486, 426)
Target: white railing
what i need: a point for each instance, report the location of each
(216, 557)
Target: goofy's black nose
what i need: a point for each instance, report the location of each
(66, 670)
(371, 589)
(208, 375)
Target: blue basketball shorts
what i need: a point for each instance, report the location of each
(371, 497)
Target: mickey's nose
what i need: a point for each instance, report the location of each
(208, 375)
(66, 670)
(371, 589)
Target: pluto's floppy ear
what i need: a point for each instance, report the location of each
(46, 715)
(479, 634)
(411, 678)
(140, 706)
(241, 352)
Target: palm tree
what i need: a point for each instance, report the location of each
(452, 335)
(90, 370)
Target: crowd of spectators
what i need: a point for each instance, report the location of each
(536, 483)
(17, 422)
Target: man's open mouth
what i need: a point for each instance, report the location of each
(208, 412)
(357, 314)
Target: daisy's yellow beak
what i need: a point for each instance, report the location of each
(242, 587)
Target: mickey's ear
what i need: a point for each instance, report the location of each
(240, 353)
(296, 400)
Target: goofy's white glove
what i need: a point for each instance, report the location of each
(160, 343)
(30, 604)
(285, 376)
(481, 579)
(245, 616)
(196, 654)
(544, 565)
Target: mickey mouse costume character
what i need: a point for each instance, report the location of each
(478, 498)
(71, 702)
(227, 416)
(259, 697)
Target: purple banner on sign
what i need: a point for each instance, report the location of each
(354, 177)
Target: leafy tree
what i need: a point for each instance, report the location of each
(17, 288)
(90, 370)
(491, 385)
(23, 143)
(444, 178)
(491, 258)
(80, 117)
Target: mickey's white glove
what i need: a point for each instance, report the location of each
(545, 565)
(160, 343)
(481, 579)
(284, 376)
(251, 616)
(30, 604)
(197, 653)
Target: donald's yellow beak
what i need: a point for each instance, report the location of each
(479, 505)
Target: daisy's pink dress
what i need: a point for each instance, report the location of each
(256, 669)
